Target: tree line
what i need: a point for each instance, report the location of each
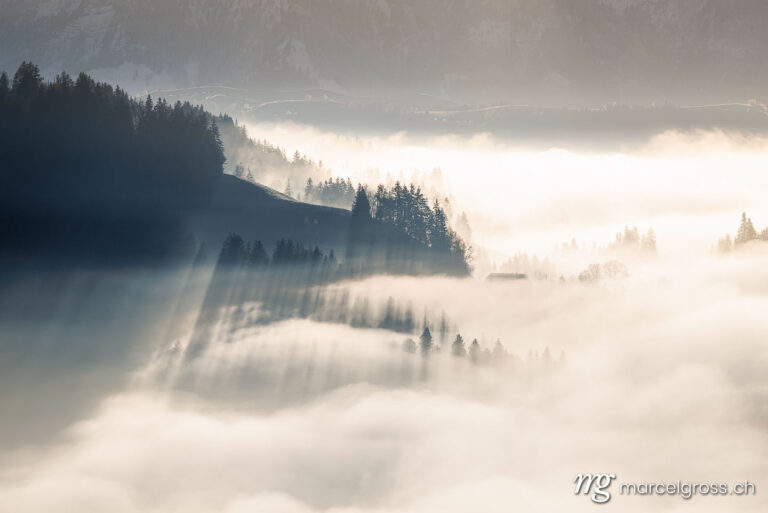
(259, 161)
(407, 209)
(236, 252)
(331, 192)
(89, 173)
(475, 353)
(745, 233)
(402, 206)
(631, 240)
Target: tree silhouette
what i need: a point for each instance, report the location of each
(361, 208)
(406, 208)
(233, 251)
(27, 81)
(746, 230)
(649, 241)
(256, 255)
(457, 348)
(474, 351)
(499, 352)
(332, 192)
(725, 244)
(88, 174)
(425, 341)
(309, 190)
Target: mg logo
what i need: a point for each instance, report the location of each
(596, 484)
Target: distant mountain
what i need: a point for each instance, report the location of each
(547, 51)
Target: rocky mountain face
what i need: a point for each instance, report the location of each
(545, 51)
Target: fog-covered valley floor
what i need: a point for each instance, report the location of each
(656, 373)
(691, 187)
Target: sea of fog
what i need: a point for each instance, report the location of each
(690, 187)
(656, 377)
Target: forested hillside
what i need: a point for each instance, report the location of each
(259, 161)
(89, 174)
(91, 177)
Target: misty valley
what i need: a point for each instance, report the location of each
(253, 278)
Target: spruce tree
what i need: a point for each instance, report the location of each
(499, 353)
(27, 81)
(425, 341)
(746, 231)
(649, 241)
(361, 208)
(457, 348)
(474, 351)
(257, 255)
(724, 245)
(233, 250)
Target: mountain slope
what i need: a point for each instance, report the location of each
(257, 212)
(516, 50)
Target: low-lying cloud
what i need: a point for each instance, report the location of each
(687, 185)
(663, 379)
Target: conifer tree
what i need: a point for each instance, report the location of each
(725, 244)
(457, 348)
(746, 231)
(474, 351)
(108, 161)
(27, 81)
(232, 251)
(649, 241)
(257, 255)
(425, 341)
(499, 352)
(361, 208)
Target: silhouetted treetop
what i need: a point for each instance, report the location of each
(83, 136)
(745, 233)
(361, 208)
(336, 192)
(85, 168)
(746, 230)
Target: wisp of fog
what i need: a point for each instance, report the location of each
(655, 375)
